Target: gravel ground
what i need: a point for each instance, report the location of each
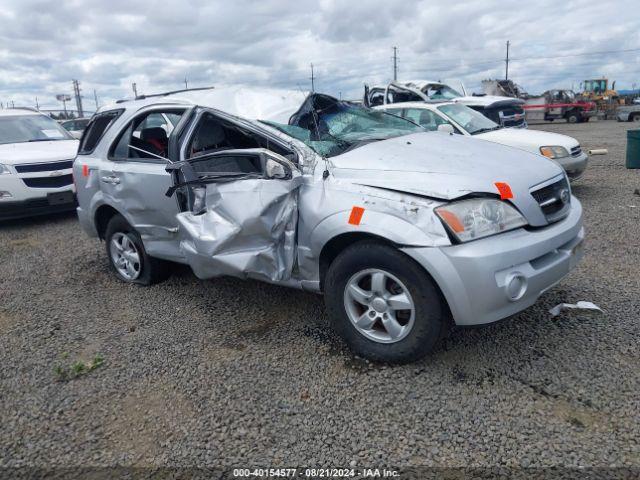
(233, 373)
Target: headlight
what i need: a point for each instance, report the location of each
(554, 152)
(479, 217)
(4, 169)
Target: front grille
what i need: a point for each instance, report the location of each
(511, 117)
(44, 167)
(49, 182)
(576, 151)
(554, 200)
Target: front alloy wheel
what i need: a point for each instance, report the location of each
(379, 306)
(383, 303)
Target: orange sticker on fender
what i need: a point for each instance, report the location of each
(505, 190)
(356, 215)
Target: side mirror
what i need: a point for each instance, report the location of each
(275, 169)
(446, 128)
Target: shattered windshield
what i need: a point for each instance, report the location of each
(331, 127)
(472, 121)
(440, 92)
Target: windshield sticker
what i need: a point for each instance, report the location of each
(52, 133)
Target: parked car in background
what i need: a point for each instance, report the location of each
(461, 119)
(505, 111)
(36, 156)
(76, 126)
(403, 230)
(629, 113)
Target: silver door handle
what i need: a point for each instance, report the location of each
(112, 180)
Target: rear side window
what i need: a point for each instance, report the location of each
(98, 125)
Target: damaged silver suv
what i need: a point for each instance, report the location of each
(403, 230)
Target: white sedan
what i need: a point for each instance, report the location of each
(458, 118)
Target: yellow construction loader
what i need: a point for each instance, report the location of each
(606, 100)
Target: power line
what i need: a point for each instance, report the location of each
(395, 63)
(76, 90)
(604, 52)
(313, 86)
(506, 61)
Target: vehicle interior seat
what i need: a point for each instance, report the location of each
(228, 164)
(211, 136)
(156, 136)
(426, 120)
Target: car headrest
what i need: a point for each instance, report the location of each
(210, 134)
(154, 133)
(426, 118)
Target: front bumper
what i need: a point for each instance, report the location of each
(37, 206)
(574, 166)
(25, 201)
(477, 278)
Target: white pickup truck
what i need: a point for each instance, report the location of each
(457, 118)
(505, 111)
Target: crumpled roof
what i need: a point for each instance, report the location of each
(254, 103)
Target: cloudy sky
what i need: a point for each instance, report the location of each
(107, 45)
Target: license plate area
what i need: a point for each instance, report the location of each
(60, 198)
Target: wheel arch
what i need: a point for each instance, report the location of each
(337, 244)
(103, 214)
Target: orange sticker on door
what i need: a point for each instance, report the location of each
(356, 215)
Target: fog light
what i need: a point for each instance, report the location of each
(516, 286)
(4, 194)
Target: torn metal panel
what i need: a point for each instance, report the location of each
(248, 230)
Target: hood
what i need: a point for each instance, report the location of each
(447, 167)
(529, 140)
(38, 152)
(488, 100)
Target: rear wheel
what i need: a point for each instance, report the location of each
(384, 304)
(635, 117)
(128, 257)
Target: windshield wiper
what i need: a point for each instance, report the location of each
(44, 139)
(482, 130)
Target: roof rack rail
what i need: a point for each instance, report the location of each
(24, 108)
(164, 94)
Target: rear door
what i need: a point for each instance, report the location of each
(239, 206)
(134, 179)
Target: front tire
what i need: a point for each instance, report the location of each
(127, 255)
(383, 304)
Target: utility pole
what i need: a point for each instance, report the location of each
(37, 106)
(395, 63)
(135, 89)
(506, 61)
(95, 97)
(313, 78)
(186, 85)
(76, 91)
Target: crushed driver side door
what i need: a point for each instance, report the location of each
(239, 213)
